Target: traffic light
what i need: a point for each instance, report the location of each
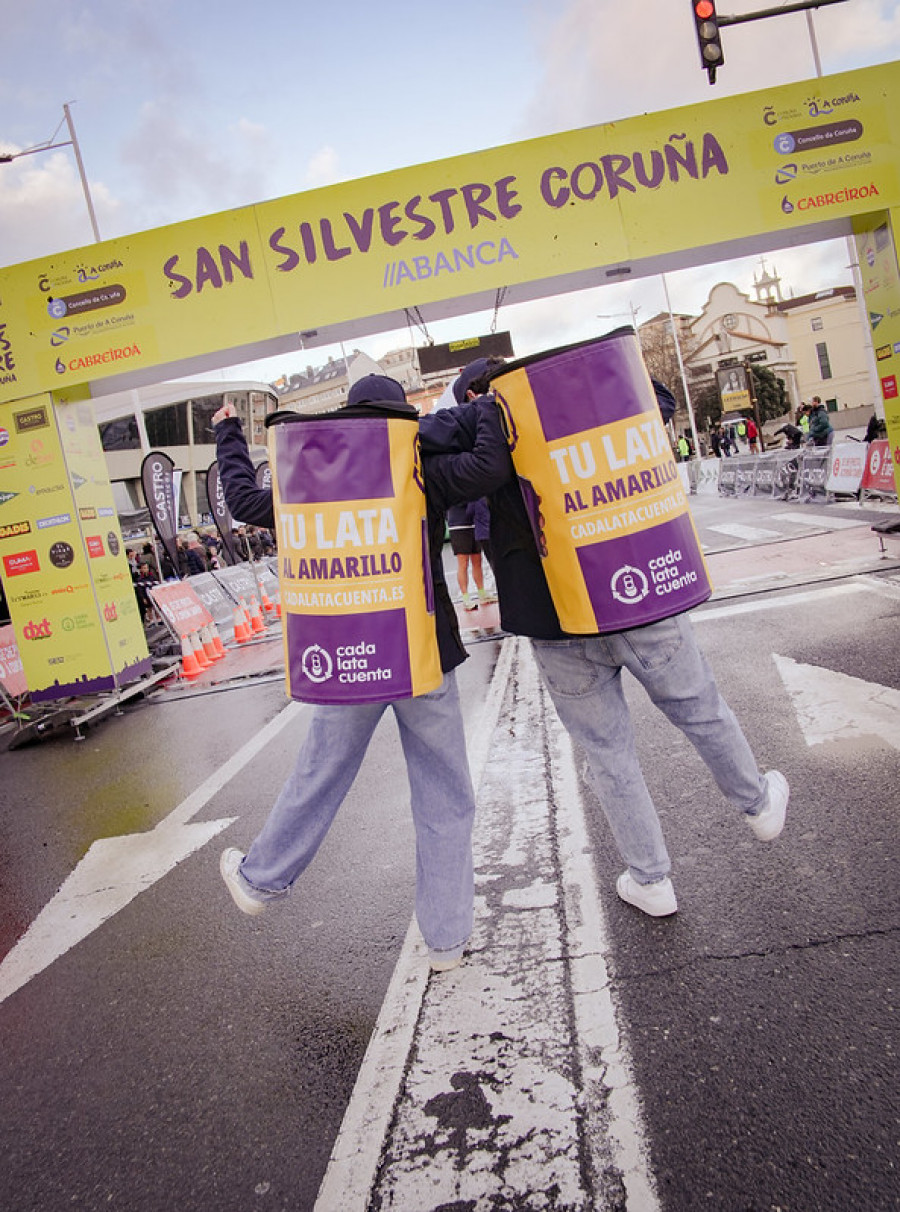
(708, 37)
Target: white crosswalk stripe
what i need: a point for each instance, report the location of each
(753, 534)
(817, 520)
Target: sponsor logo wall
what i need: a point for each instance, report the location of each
(63, 564)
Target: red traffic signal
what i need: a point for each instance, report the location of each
(708, 38)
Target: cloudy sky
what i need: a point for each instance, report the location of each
(183, 108)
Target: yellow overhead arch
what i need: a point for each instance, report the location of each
(727, 178)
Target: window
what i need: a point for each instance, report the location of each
(167, 426)
(824, 363)
(816, 323)
(121, 434)
(202, 411)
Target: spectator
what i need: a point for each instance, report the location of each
(820, 431)
(793, 436)
(461, 524)
(874, 428)
(752, 436)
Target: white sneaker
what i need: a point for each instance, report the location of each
(769, 823)
(657, 900)
(445, 961)
(228, 866)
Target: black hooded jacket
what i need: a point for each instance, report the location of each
(526, 607)
(477, 463)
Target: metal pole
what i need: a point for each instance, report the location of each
(81, 172)
(813, 43)
(684, 384)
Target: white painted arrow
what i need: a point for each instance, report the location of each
(116, 869)
(111, 874)
(833, 706)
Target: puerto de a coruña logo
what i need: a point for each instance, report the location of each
(629, 585)
(316, 664)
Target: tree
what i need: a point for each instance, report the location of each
(707, 404)
(770, 394)
(661, 357)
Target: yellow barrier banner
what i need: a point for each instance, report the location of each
(64, 568)
(877, 256)
(563, 212)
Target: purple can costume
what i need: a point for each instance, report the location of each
(601, 486)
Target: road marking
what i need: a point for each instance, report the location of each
(357, 1150)
(753, 534)
(834, 706)
(522, 1040)
(818, 520)
(789, 599)
(116, 869)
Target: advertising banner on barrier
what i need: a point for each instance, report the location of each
(764, 482)
(67, 581)
(727, 478)
(707, 476)
(744, 474)
(876, 246)
(182, 608)
(879, 477)
(786, 478)
(814, 473)
(606, 499)
(845, 471)
(264, 278)
(12, 673)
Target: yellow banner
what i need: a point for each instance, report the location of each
(336, 560)
(566, 210)
(877, 256)
(64, 570)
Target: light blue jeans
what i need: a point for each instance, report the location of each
(442, 801)
(584, 678)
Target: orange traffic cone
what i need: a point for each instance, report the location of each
(266, 601)
(202, 659)
(257, 624)
(278, 606)
(241, 626)
(190, 669)
(217, 641)
(208, 646)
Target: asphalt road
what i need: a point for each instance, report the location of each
(182, 1056)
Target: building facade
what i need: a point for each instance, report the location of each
(175, 418)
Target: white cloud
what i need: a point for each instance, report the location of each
(322, 168)
(43, 208)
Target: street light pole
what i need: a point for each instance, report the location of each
(81, 172)
(8, 157)
(684, 382)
